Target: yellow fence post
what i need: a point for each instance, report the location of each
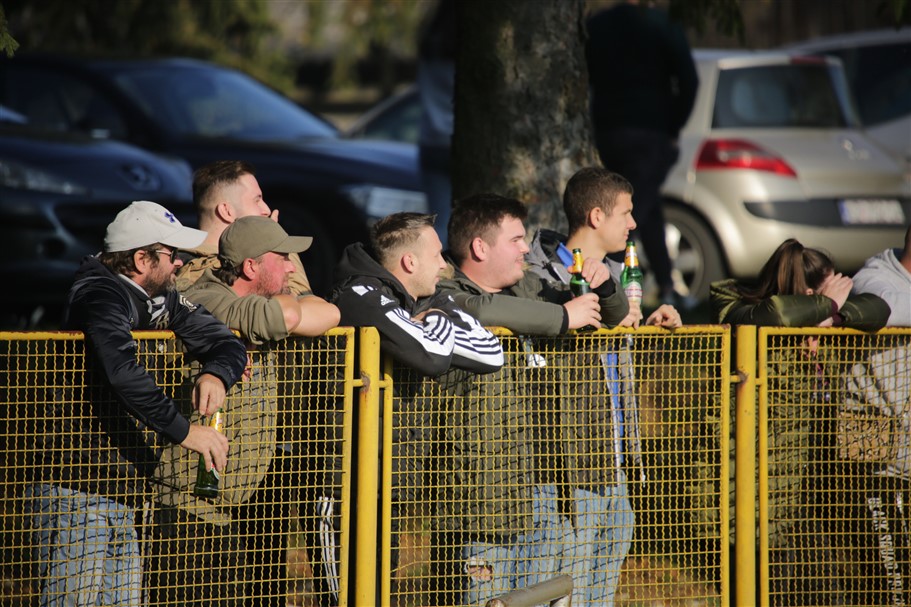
(744, 471)
(367, 468)
(386, 487)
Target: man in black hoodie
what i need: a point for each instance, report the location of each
(100, 450)
(393, 287)
(395, 290)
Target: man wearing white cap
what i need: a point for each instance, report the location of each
(84, 513)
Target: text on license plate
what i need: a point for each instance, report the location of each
(882, 211)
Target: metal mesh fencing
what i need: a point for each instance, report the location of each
(601, 455)
(96, 506)
(834, 465)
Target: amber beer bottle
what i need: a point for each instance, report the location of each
(577, 283)
(631, 276)
(207, 480)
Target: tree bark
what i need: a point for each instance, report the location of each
(522, 124)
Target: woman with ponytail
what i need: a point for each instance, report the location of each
(799, 287)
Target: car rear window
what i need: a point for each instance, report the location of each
(778, 96)
(880, 77)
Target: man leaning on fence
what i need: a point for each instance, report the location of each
(874, 434)
(226, 550)
(393, 287)
(888, 275)
(598, 205)
(492, 496)
(88, 548)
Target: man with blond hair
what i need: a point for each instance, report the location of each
(223, 192)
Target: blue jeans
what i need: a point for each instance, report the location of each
(592, 550)
(495, 570)
(88, 549)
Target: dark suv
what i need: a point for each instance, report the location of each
(58, 191)
(324, 185)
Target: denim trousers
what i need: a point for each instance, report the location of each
(496, 567)
(590, 544)
(87, 548)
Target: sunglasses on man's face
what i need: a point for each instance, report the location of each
(172, 254)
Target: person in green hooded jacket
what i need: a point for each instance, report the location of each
(799, 287)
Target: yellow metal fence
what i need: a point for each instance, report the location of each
(834, 466)
(277, 532)
(466, 487)
(497, 482)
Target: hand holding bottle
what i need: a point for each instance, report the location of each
(583, 311)
(211, 445)
(595, 272)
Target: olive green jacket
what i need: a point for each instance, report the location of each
(865, 312)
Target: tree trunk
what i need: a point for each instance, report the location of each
(522, 125)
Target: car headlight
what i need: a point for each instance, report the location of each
(23, 177)
(377, 202)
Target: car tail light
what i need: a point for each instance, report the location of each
(740, 154)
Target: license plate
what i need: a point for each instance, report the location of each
(870, 212)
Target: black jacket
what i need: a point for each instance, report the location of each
(107, 444)
(370, 296)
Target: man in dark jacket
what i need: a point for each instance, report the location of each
(396, 292)
(489, 249)
(598, 206)
(394, 288)
(84, 510)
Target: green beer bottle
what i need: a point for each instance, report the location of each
(631, 276)
(207, 480)
(577, 283)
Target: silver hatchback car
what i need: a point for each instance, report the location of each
(773, 150)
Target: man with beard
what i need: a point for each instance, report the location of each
(229, 549)
(99, 451)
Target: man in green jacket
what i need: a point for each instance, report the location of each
(233, 535)
(487, 238)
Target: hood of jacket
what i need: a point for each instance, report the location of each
(356, 264)
(92, 267)
(888, 261)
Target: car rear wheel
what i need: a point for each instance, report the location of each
(693, 250)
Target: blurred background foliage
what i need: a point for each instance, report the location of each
(231, 32)
(309, 49)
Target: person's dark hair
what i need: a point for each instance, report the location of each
(791, 270)
(589, 188)
(207, 179)
(393, 232)
(476, 216)
(121, 262)
(226, 272)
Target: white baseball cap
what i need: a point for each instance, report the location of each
(144, 223)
